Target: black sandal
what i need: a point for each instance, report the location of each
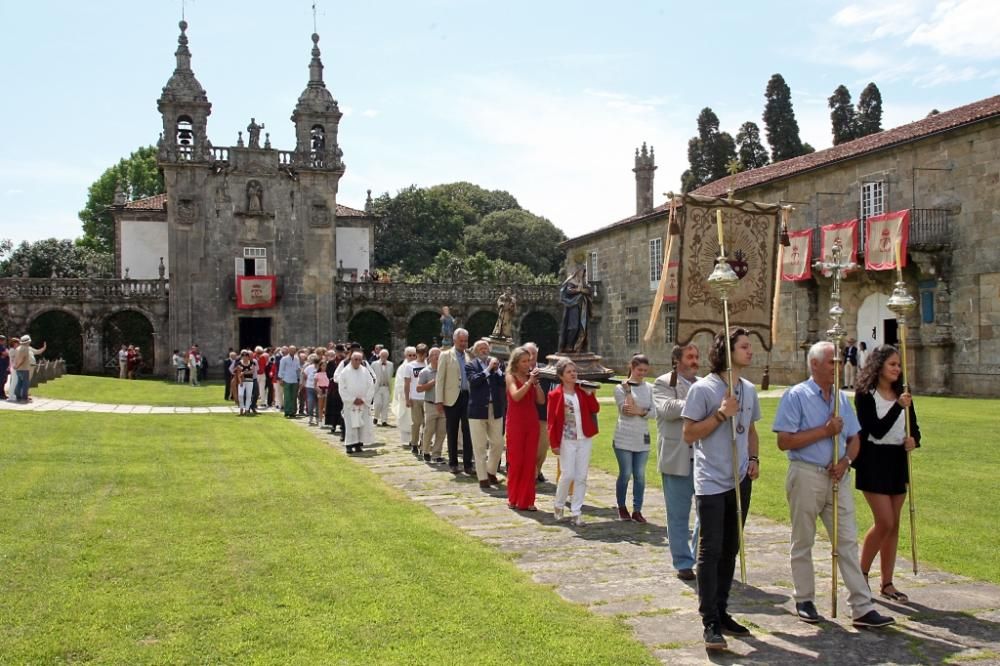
(895, 595)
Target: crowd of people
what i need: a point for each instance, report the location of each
(17, 365)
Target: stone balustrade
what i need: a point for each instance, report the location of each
(359, 293)
(82, 289)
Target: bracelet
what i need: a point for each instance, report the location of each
(848, 458)
(755, 459)
(719, 416)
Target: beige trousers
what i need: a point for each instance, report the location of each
(416, 421)
(433, 430)
(810, 496)
(487, 444)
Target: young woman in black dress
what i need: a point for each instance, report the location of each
(881, 471)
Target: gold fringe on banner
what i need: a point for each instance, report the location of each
(661, 288)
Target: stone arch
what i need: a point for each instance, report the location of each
(62, 333)
(370, 327)
(540, 327)
(480, 324)
(129, 326)
(424, 326)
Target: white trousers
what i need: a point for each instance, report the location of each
(810, 496)
(380, 404)
(574, 461)
(487, 444)
(246, 394)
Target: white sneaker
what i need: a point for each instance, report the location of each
(579, 521)
(558, 513)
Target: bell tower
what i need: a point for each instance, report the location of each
(185, 108)
(316, 117)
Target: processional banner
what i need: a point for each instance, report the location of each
(885, 236)
(751, 244)
(670, 295)
(796, 259)
(255, 291)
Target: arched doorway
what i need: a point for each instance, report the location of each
(876, 322)
(128, 327)
(425, 327)
(62, 335)
(481, 324)
(542, 329)
(370, 328)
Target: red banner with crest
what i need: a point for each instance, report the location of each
(255, 291)
(885, 235)
(796, 259)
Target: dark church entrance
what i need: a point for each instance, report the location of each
(255, 331)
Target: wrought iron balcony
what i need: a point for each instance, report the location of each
(930, 229)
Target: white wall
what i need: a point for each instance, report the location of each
(352, 248)
(142, 245)
(872, 315)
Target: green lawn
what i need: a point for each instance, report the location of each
(112, 390)
(201, 539)
(954, 477)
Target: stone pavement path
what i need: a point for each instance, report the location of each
(623, 570)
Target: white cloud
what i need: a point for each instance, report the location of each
(369, 113)
(963, 28)
(879, 20)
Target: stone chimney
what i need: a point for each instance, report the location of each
(644, 168)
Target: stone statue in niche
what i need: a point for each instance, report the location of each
(253, 132)
(255, 197)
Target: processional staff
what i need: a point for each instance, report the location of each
(838, 268)
(901, 304)
(722, 281)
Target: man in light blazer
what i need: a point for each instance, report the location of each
(451, 396)
(674, 456)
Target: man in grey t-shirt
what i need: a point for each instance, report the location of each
(434, 421)
(708, 407)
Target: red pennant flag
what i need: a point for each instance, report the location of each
(671, 293)
(883, 233)
(796, 259)
(255, 291)
(846, 233)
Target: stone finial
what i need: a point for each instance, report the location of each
(120, 198)
(369, 203)
(645, 165)
(239, 139)
(161, 269)
(315, 65)
(126, 273)
(267, 141)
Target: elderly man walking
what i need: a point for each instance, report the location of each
(383, 370)
(451, 397)
(356, 384)
(23, 357)
(288, 374)
(807, 431)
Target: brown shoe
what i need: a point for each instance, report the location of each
(453, 469)
(637, 517)
(686, 574)
(484, 485)
(469, 471)
(623, 515)
(493, 479)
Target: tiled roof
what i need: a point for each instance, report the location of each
(347, 211)
(651, 215)
(155, 202)
(941, 122)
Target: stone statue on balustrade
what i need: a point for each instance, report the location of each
(575, 295)
(253, 131)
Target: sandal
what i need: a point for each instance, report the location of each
(894, 594)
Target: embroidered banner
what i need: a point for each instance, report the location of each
(796, 259)
(255, 291)
(751, 243)
(846, 233)
(885, 235)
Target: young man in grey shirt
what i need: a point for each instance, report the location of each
(710, 405)
(433, 420)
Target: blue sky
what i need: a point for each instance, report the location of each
(547, 100)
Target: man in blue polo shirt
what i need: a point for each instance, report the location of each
(806, 429)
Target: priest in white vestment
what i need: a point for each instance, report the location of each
(357, 388)
(399, 407)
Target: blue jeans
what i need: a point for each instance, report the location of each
(678, 493)
(22, 385)
(631, 464)
(312, 406)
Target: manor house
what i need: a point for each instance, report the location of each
(945, 169)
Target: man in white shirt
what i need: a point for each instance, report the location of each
(383, 370)
(414, 398)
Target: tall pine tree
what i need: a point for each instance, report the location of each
(869, 111)
(779, 121)
(750, 150)
(709, 153)
(842, 117)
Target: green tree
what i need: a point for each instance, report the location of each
(139, 177)
(64, 258)
(842, 117)
(476, 202)
(750, 151)
(869, 111)
(709, 153)
(518, 237)
(450, 267)
(779, 121)
(414, 226)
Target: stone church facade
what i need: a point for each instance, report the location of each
(945, 169)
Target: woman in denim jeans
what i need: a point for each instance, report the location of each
(634, 399)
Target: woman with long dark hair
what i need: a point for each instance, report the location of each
(882, 474)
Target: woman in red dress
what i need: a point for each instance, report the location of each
(523, 393)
